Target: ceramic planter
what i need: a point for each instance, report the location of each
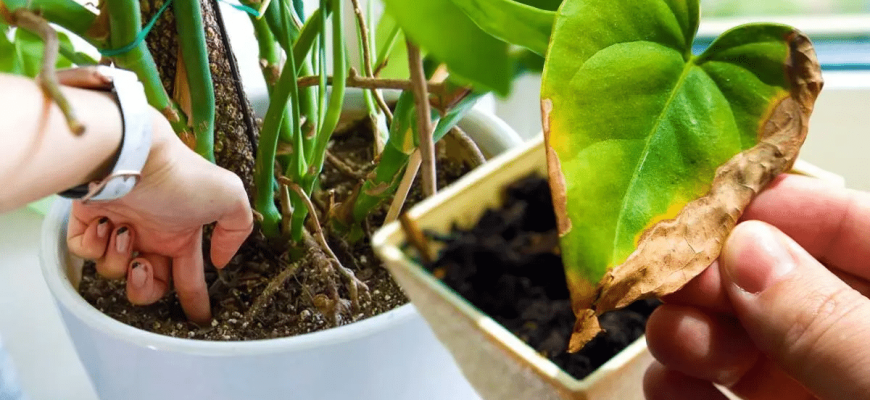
(390, 356)
(497, 363)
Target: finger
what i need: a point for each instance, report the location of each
(797, 312)
(661, 383)
(89, 240)
(231, 231)
(829, 222)
(84, 77)
(703, 345)
(147, 279)
(704, 291)
(114, 263)
(189, 279)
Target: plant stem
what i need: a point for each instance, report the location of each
(333, 111)
(354, 80)
(264, 168)
(66, 13)
(26, 19)
(367, 60)
(384, 53)
(421, 97)
(404, 187)
(125, 22)
(191, 37)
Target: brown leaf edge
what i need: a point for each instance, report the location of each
(672, 252)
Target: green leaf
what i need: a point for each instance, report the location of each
(511, 21)
(637, 125)
(391, 49)
(445, 32)
(551, 5)
(27, 53)
(7, 50)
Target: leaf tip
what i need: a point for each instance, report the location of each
(554, 171)
(803, 69)
(585, 329)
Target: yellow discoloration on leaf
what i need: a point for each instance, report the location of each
(674, 251)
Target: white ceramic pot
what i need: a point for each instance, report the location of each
(391, 356)
(497, 363)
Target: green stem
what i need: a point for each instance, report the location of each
(269, 65)
(66, 13)
(333, 113)
(78, 58)
(264, 167)
(385, 51)
(191, 36)
(125, 22)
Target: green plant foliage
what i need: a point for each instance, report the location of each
(511, 21)
(23, 54)
(551, 5)
(445, 32)
(639, 124)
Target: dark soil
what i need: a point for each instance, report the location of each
(509, 267)
(303, 303)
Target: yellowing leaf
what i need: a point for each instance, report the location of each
(637, 127)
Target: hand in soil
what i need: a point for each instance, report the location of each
(784, 314)
(153, 235)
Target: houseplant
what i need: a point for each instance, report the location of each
(636, 125)
(116, 31)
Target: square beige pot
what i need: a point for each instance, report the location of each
(498, 364)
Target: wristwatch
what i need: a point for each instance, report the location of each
(135, 141)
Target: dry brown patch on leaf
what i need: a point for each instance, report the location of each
(672, 252)
(554, 170)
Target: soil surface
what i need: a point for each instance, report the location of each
(305, 302)
(509, 267)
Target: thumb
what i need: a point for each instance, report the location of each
(805, 319)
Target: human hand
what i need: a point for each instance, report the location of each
(160, 222)
(783, 314)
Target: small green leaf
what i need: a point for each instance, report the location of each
(445, 32)
(511, 21)
(637, 125)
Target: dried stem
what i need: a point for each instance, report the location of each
(417, 238)
(355, 286)
(404, 187)
(476, 156)
(367, 60)
(273, 287)
(343, 167)
(354, 80)
(424, 121)
(47, 79)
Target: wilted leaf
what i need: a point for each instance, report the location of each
(445, 32)
(636, 128)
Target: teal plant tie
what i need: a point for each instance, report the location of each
(147, 28)
(140, 37)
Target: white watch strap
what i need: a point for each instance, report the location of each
(136, 142)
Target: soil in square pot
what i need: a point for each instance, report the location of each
(508, 266)
(301, 304)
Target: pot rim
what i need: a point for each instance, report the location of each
(54, 258)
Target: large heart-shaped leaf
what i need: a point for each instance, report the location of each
(637, 127)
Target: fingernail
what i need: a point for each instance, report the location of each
(138, 275)
(757, 257)
(102, 228)
(122, 240)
